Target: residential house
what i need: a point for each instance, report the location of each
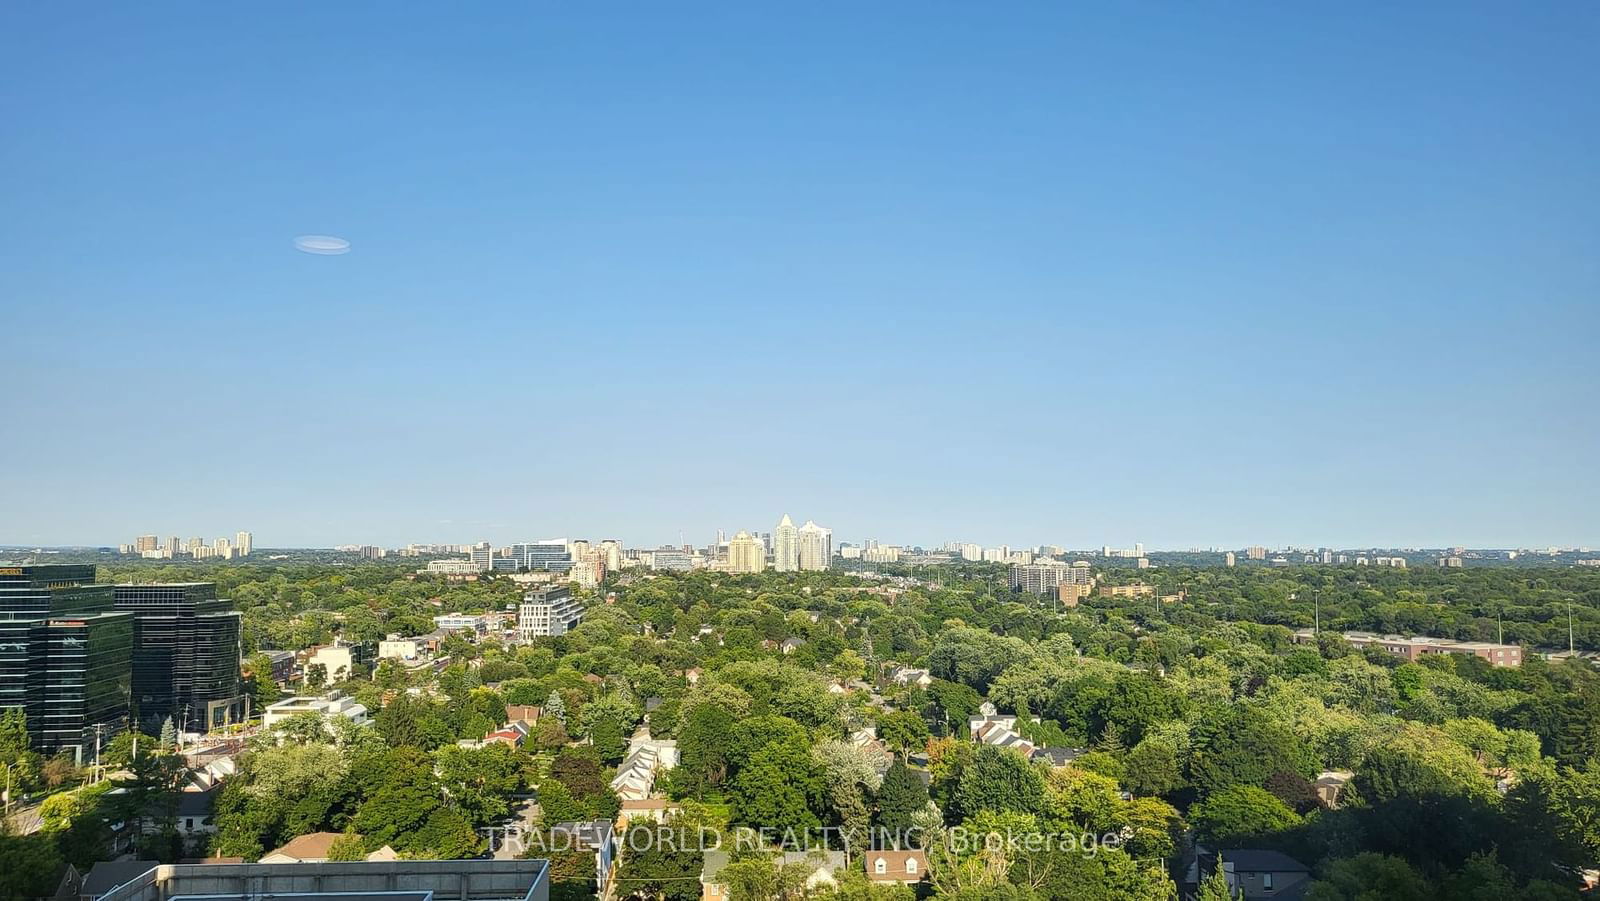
(309, 848)
(511, 736)
(593, 835)
(108, 874)
(905, 675)
(656, 810)
(1057, 756)
(526, 714)
(209, 776)
(70, 885)
(822, 868)
(867, 740)
(636, 776)
(909, 867)
(196, 812)
(999, 730)
(1252, 874)
(712, 888)
(313, 848)
(1330, 787)
(874, 748)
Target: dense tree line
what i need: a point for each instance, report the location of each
(1196, 722)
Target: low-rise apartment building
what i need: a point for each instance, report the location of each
(548, 611)
(1417, 647)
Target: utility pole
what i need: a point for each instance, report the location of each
(97, 728)
(1572, 648)
(1316, 612)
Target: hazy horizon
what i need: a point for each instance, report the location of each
(701, 541)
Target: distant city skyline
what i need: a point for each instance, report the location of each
(708, 537)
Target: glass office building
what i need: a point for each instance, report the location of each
(185, 656)
(545, 555)
(65, 656)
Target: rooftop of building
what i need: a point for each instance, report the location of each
(309, 896)
(37, 570)
(323, 705)
(589, 833)
(649, 804)
(406, 880)
(108, 874)
(311, 846)
(1422, 640)
(1260, 860)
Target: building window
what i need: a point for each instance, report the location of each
(1266, 882)
(911, 865)
(880, 866)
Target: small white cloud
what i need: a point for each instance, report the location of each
(326, 245)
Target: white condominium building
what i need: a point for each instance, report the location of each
(547, 611)
(327, 708)
(786, 546)
(816, 546)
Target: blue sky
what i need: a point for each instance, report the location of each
(1033, 273)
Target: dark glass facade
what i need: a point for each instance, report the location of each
(185, 657)
(65, 656)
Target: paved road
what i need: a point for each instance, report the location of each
(25, 817)
(526, 818)
(25, 820)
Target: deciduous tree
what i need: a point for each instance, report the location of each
(1238, 813)
(997, 780)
